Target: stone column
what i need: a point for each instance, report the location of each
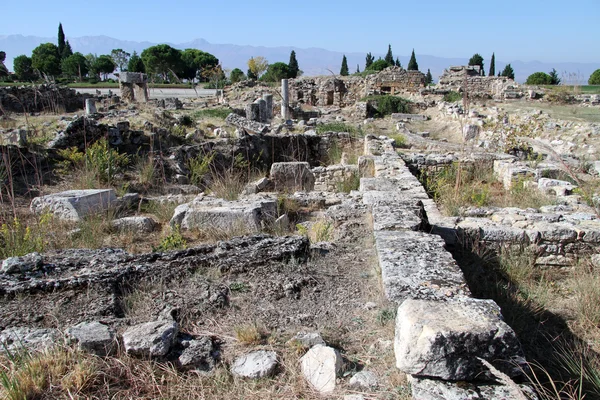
(285, 99)
(262, 108)
(269, 99)
(90, 106)
(253, 112)
(126, 91)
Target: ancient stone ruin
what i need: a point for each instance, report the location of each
(133, 87)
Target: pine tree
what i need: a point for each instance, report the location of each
(370, 60)
(492, 65)
(344, 69)
(68, 51)
(428, 77)
(398, 63)
(412, 64)
(293, 65)
(389, 58)
(477, 60)
(61, 40)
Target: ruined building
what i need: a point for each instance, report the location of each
(468, 78)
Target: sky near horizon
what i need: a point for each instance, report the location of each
(525, 30)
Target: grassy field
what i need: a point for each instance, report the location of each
(584, 89)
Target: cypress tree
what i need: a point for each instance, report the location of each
(398, 62)
(389, 58)
(428, 77)
(508, 72)
(61, 40)
(293, 65)
(493, 65)
(344, 69)
(412, 64)
(357, 69)
(67, 52)
(370, 60)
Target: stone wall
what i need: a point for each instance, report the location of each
(393, 80)
(455, 78)
(40, 98)
(332, 178)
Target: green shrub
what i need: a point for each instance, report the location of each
(220, 113)
(452, 96)
(336, 127)
(387, 104)
(378, 65)
(399, 141)
(173, 241)
(199, 166)
(539, 78)
(16, 239)
(594, 78)
(99, 161)
(348, 184)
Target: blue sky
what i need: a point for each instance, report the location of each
(527, 30)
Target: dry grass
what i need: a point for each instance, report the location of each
(458, 185)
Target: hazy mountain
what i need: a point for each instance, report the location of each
(313, 61)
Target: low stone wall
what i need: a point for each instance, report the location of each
(436, 317)
(468, 78)
(333, 177)
(41, 98)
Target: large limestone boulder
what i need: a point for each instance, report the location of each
(445, 339)
(292, 176)
(151, 339)
(93, 337)
(320, 366)
(14, 339)
(255, 365)
(73, 205)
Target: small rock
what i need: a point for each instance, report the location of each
(198, 354)
(255, 365)
(134, 224)
(309, 339)
(364, 380)
(320, 366)
(93, 337)
(27, 263)
(152, 339)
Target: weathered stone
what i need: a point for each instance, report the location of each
(308, 339)
(255, 365)
(26, 263)
(90, 107)
(285, 99)
(470, 132)
(198, 354)
(444, 339)
(268, 98)
(134, 224)
(292, 176)
(14, 339)
(246, 124)
(320, 366)
(18, 137)
(73, 205)
(132, 77)
(253, 112)
(415, 265)
(412, 117)
(151, 339)
(364, 380)
(262, 110)
(94, 337)
(431, 389)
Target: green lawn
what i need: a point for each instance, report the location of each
(583, 89)
(107, 85)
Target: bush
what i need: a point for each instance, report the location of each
(387, 104)
(452, 96)
(594, 78)
(539, 78)
(378, 65)
(335, 127)
(220, 113)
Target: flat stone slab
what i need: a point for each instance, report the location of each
(414, 117)
(242, 216)
(390, 185)
(415, 265)
(14, 339)
(73, 205)
(132, 77)
(445, 339)
(93, 337)
(292, 176)
(255, 365)
(431, 389)
(246, 124)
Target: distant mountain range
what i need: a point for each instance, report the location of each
(313, 61)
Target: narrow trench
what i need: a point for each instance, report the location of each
(545, 336)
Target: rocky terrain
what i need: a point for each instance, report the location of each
(294, 242)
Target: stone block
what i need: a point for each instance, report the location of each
(93, 337)
(133, 77)
(255, 365)
(15, 339)
(152, 339)
(246, 124)
(415, 265)
(73, 205)
(445, 339)
(320, 366)
(432, 389)
(292, 176)
(413, 117)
